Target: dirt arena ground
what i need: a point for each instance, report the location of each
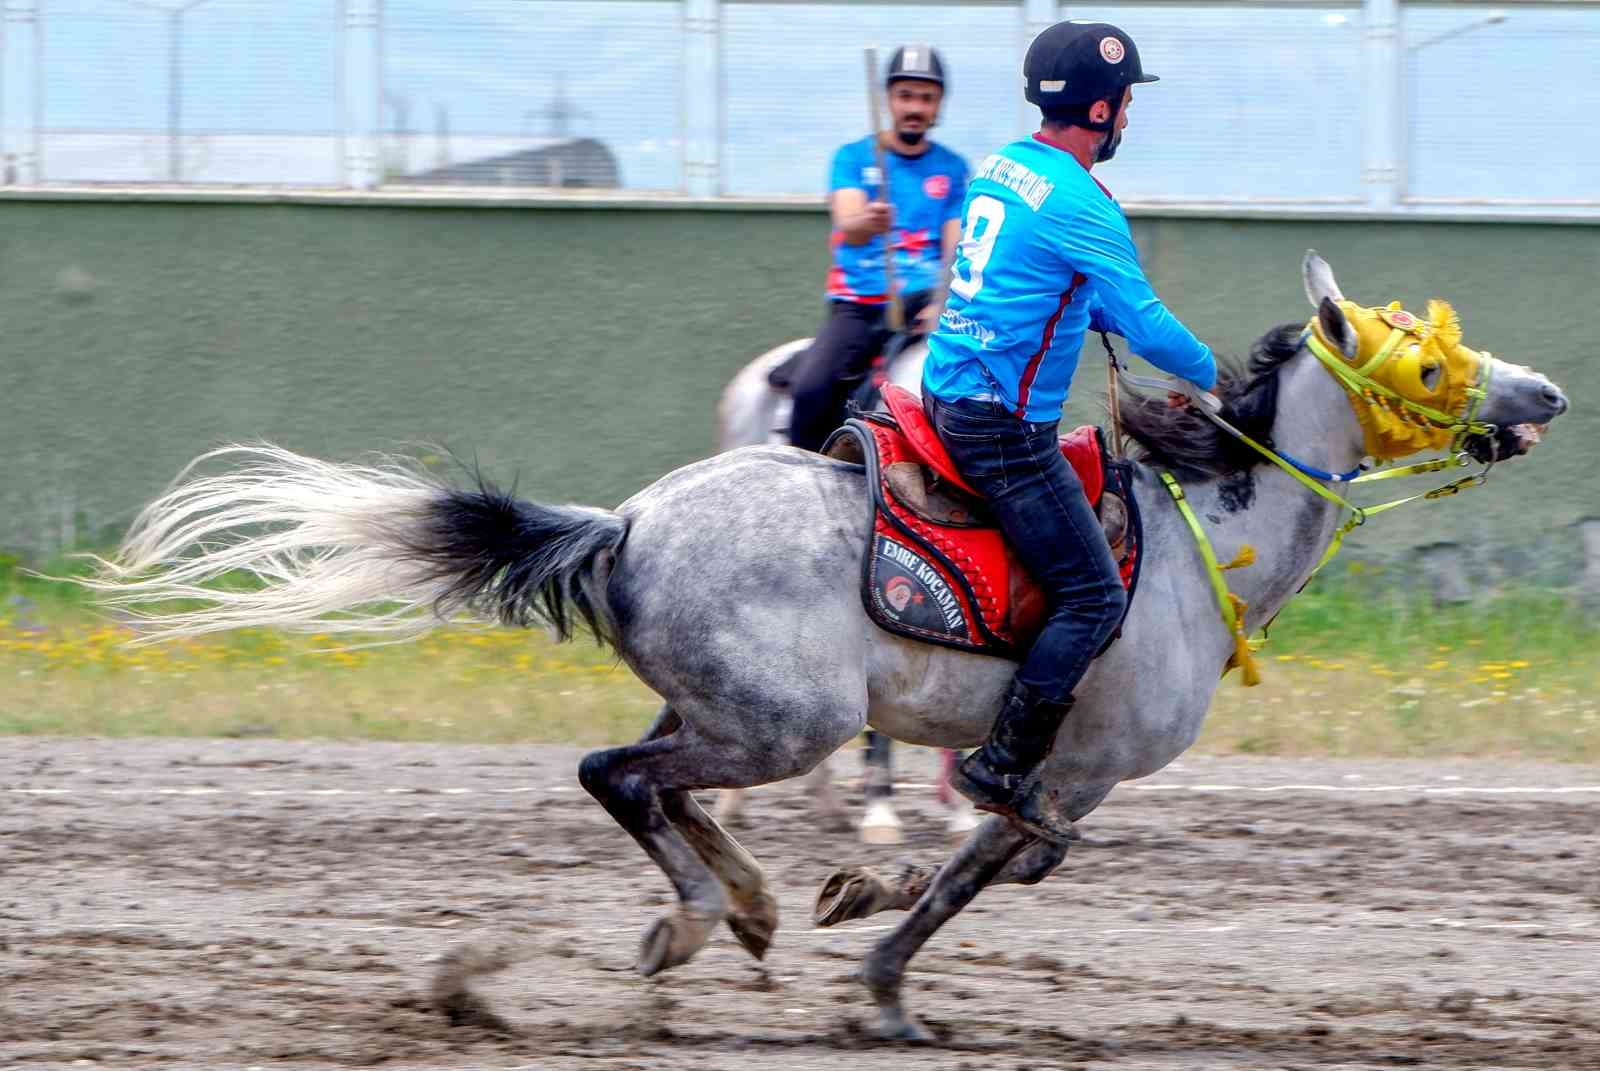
(239, 904)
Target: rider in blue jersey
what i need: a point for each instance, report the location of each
(1045, 253)
(912, 214)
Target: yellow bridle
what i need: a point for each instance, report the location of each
(1399, 413)
(1394, 350)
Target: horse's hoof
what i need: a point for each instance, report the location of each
(754, 923)
(893, 1024)
(880, 825)
(853, 893)
(671, 941)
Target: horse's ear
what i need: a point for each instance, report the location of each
(1336, 328)
(1318, 279)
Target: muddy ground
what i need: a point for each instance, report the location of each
(237, 904)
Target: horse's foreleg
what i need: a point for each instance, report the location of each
(859, 892)
(976, 864)
(753, 914)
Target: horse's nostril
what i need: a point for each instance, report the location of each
(1553, 396)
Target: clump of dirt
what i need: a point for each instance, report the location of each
(451, 988)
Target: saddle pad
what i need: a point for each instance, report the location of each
(959, 584)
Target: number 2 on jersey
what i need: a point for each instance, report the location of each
(984, 216)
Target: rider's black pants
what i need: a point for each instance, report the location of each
(1036, 496)
(837, 361)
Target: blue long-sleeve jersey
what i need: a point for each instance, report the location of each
(1043, 246)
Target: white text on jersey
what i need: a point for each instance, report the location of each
(1023, 181)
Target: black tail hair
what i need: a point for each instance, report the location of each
(516, 561)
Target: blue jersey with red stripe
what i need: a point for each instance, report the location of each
(1043, 247)
(926, 192)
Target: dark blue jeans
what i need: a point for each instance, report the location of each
(1040, 504)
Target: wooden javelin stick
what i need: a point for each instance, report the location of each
(893, 315)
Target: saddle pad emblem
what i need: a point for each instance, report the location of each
(910, 591)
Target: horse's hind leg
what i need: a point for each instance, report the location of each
(625, 781)
(753, 913)
(638, 786)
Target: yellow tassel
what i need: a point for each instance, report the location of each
(1243, 657)
(1249, 672)
(1242, 560)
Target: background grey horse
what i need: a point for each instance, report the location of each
(730, 586)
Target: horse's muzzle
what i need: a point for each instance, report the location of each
(1507, 442)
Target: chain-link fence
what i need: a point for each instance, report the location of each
(1370, 104)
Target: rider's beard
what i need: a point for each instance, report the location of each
(911, 137)
(1108, 147)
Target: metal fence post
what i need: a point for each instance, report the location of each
(702, 97)
(359, 79)
(21, 93)
(1382, 103)
(1037, 17)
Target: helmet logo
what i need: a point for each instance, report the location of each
(1111, 50)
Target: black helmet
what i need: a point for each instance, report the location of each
(915, 62)
(1073, 64)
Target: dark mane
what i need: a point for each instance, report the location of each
(1192, 446)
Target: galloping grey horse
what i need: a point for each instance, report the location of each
(731, 587)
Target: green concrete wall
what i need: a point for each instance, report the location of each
(581, 352)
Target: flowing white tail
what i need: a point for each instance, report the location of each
(380, 548)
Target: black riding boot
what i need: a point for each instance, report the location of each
(994, 776)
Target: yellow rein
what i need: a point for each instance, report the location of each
(1358, 383)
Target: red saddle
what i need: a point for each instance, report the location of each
(939, 568)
